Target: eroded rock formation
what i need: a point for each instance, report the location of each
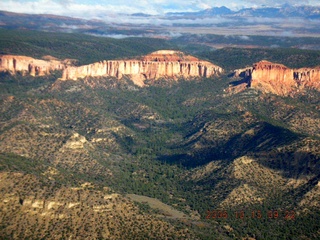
(164, 63)
(281, 80)
(29, 65)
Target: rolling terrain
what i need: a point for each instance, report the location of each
(100, 157)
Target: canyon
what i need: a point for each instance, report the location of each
(28, 65)
(89, 156)
(102, 158)
(159, 64)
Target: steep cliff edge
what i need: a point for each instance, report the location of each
(163, 63)
(278, 79)
(29, 65)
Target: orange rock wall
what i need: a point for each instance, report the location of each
(143, 69)
(309, 77)
(28, 65)
(279, 79)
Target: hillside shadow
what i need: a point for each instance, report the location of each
(241, 81)
(263, 138)
(291, 164)
(299, 192)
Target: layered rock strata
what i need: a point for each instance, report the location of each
(28, 65)
(165, 63)
(281, 80)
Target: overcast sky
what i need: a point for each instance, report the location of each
(92, 8)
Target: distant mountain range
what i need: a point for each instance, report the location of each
(285, 11)
(266, 21)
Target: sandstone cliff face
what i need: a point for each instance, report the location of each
(281, 80)
(159, 64)
(273, 78)
(28, 65)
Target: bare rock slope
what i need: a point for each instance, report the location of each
(281, 80)
(29, 65)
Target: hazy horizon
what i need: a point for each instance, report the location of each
(91, 9)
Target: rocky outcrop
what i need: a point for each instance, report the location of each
(244, 72)
(165, 63)
(169, 56)
(278, 79)
(28, 65)
(308, 77)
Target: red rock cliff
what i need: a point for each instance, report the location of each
(279, 79)
(164, 63)
(28, 65)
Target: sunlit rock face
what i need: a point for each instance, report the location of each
(27, 65)
(159, 64)
(281, 80)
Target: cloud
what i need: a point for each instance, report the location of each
(65, 3)
(86, 7)
(98, 8)
(247, 38)
(120, 36)
(65, 8)
(102, 9)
